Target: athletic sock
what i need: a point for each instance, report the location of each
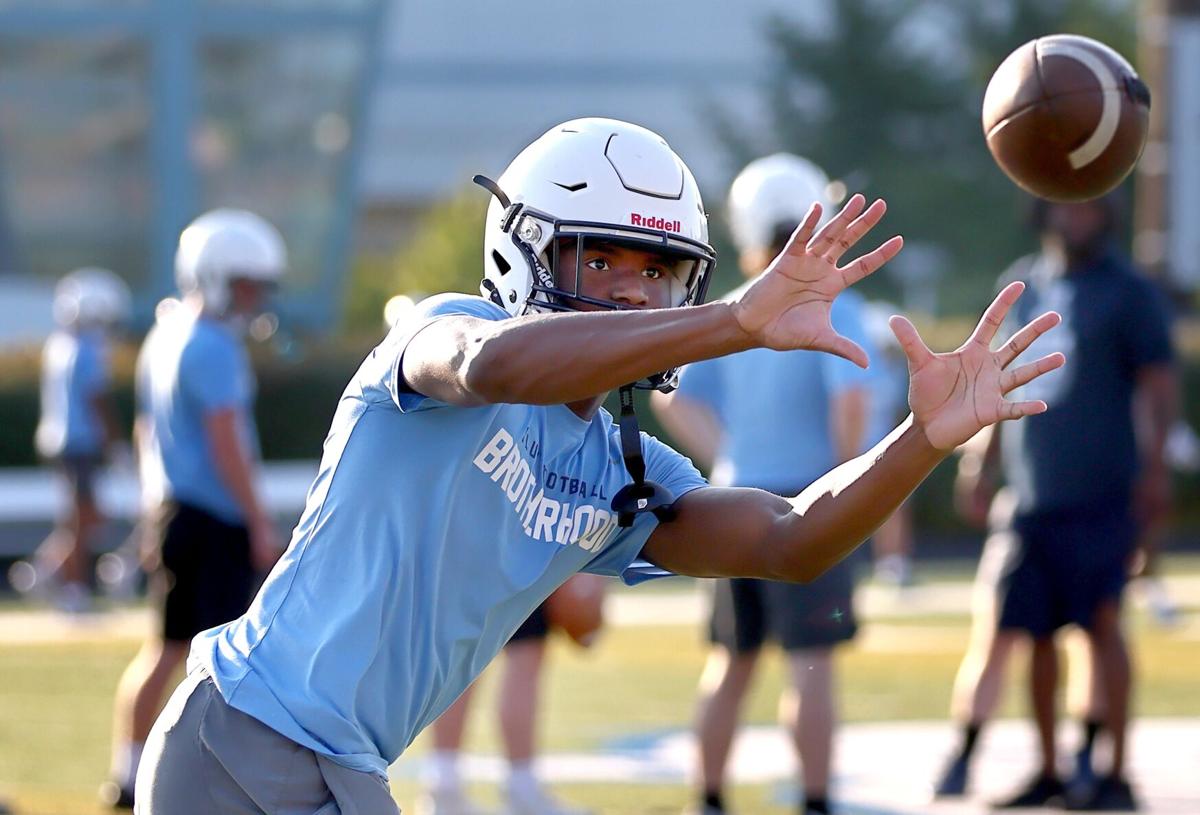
(712, 800)
(970, 734)
(1091, 728)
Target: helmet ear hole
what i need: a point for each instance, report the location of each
(503, 265)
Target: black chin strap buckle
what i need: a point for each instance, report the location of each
(641, 495)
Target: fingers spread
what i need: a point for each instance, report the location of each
(804, 232)
(857, 228)
(994, 316)
(1029, 372)
(871, 261)
(829, 234)
(914, 347)
(1025, 337)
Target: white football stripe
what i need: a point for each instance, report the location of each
(1110, 110)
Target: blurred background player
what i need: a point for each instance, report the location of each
(776, 421)
(1086, 476)
(517, 701)
(77, 430)
(198, 455)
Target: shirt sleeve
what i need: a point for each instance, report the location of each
(210, 373)
(1146, 325)
(381, 374)
(622, 558)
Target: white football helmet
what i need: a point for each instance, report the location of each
(773, 194)
(589, 178)
(91, 296)
(224, 245)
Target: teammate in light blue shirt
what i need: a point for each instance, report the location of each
(779, 403)
(775, 420)
(75, 375)
(192, 366)
(76, 430)
(198, 456)
(470, 470)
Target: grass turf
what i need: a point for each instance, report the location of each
(55, 703)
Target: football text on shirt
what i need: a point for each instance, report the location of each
(542, 518)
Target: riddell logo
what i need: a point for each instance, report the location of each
(654, 222)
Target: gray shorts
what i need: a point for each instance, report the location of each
(204, 757)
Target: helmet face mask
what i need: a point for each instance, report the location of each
(585, 183)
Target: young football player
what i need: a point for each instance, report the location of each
(470, 470)
(77, 430)
(198, 458)
(774, 421)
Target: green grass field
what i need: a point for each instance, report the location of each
(55, 701)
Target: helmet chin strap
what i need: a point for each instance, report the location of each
(641, 495)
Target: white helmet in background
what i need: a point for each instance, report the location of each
(225, 245)
(91, 296)
(773, 194)
(598, 179)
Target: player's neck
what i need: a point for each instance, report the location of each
(586, 408)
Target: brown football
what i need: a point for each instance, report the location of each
(1065, 117)
(577, 607)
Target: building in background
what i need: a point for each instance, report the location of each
(120, 120)
(459, 92)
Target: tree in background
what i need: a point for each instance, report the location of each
(886, 94)
(444, 253)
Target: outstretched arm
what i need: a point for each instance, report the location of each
(740, 532)
(468, 361)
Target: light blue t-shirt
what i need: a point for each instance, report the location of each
(75, 370)
(773, 406)
(189, 368)
(430, 533)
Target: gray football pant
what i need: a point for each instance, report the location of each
(204, 757)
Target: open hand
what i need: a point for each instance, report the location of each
(787, 306)
(953, 396)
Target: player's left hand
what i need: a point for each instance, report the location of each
(953, 396)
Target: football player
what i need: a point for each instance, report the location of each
(470, 470)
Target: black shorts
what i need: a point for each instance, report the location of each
(1063, 566)
(80, 474)
(205, 577)
(535, 627)
(746, 612)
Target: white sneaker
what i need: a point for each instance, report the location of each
(537, 801)
(453, 801)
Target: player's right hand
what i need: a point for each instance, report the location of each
(787, 306)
